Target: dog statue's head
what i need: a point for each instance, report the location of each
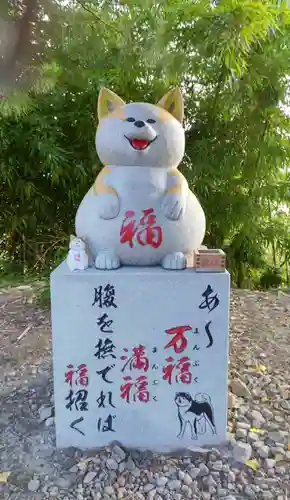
(140, 134)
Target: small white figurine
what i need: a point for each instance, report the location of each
(77, 258)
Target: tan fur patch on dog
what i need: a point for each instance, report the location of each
(100, 187)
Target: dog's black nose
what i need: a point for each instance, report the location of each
(139, 124)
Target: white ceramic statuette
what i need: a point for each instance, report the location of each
(77, 259)
(140, 210)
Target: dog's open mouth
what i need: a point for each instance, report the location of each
(140, 144)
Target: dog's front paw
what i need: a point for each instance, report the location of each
(109, 206)
(173, 206)
(174, 261)
(107, 259)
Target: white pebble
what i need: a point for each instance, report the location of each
(89, 477)
(280, 470)
(279, 419)
(135, 472)
(240, 389)
(130, 464)
(217, 466)
(121, 481)
(49, 421)
(231, 476)
(187, 479)
(63, 482)
(252, 436)
(33, 485)
(186, 491)
(270, 463)
(148, 487)
(267, 413)
(194, 472)
(109, 490)
(181, 475)
(257, 416)
(161, 481)
(174, 485)
(242, 451)
(263, 451)
(209, 481)
(243, 425)
(118, 453)
(257, 444)
(82, 466)
(203, 470)
(44, 413)
(249, 492)
(53, 491)
(222, 492)
(241, 433)
(232, 401)
(112, 464)
(267, 495)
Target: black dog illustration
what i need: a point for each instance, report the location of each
(197, 412)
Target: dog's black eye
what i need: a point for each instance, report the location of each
(150, 120)
(130, 119)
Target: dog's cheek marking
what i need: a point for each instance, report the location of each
(99, 185)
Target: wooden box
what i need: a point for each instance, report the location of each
(209, 260)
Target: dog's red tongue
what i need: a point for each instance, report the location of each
(139, 143)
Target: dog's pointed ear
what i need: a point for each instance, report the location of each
(108, 102)
(173, 103)
(72, 237)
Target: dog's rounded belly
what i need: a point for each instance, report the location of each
(136, 241)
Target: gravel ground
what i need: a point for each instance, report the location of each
(255, 464)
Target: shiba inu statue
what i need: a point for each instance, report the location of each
(140, 210)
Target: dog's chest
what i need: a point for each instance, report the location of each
(142, 182)
(77, 255)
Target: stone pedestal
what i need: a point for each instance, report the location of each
(140, 356)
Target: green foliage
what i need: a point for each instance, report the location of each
(43, 295)
(271, 278)
(231, 59)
